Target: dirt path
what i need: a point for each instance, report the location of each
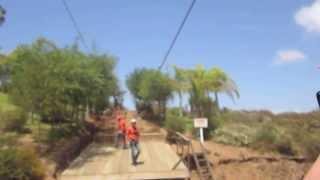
(240, 163)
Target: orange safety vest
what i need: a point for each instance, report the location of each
(133, 133)
(122, 125)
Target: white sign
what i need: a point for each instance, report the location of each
(200, 122)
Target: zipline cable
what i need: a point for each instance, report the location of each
(177, 35)
(75, 25)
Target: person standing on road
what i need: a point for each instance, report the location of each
(133, 136)
(121, 133)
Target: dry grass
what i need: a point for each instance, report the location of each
(287, 133)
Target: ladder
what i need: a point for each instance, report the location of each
(200, 159)
(203, 166)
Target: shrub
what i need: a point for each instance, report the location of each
(13, 120)
(285, 146)
(22, 164)
(267, 134)
(63, 131)
(312, 148)
(235, 134)
(269, 138)
(176, 122)
(215, 120)
(8, 140)
(308, 144)
(266, 137)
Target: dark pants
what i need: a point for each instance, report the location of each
(135, 151)
(120, 138)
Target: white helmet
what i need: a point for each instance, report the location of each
(133, 120)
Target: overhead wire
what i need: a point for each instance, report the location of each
(177, 35)
(75, 24)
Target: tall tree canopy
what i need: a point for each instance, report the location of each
(59, 84)
(150, 87)
(200, 83)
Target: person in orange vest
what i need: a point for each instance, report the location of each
(121, 133)
(133, 137)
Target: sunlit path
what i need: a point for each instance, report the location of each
(102, 161)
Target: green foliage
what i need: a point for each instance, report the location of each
(4, 73)
(22, 164)
(214, 121)
(2, 15)
(62, 131)
(59, 84)
(175, 122)
(286, 133)
(5, 104)
(306, 142)
(155, 86)
(269, 138)
(8, 140)
(13, 120)
(134, 82)
(267, 134)
(200, 83)
(150, 87)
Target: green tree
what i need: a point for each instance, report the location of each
(157, 87)
(60, 84)
(4, 72)
(180, 84)
(220, 82)
(150, 87)
(200, 83)
(133, 82)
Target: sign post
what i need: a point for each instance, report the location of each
(201, 123)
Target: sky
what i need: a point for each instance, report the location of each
(269, 47)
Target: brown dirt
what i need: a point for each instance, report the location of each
(230, 162)
(237, 163)
(241, 163)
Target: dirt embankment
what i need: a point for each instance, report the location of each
(239, 163)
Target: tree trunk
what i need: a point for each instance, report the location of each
(180, 103)
(217, 100)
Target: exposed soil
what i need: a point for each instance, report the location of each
(240, 163)
(231, 162)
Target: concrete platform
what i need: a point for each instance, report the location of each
(103, 162)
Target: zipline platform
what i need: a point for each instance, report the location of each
(100, 161)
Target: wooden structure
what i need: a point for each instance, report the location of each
(190, 157)
(100, 161)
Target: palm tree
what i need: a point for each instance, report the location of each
(220, 82)
(200, 83)
(181, 84)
